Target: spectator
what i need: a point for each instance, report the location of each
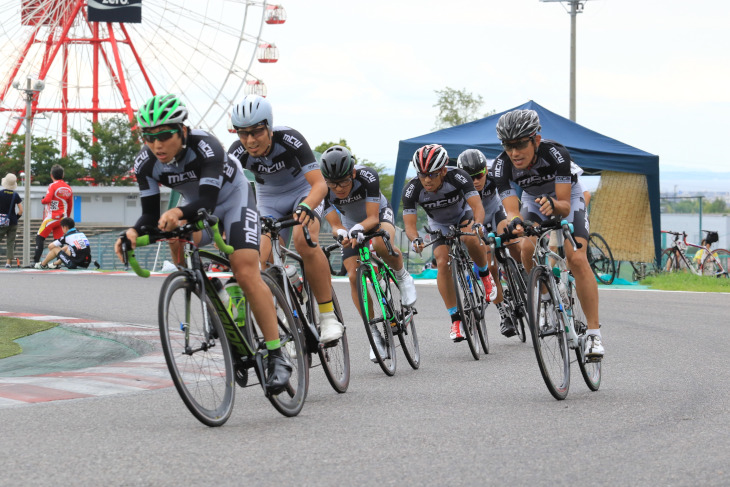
(72, 249)
(58, 203)
(9, 200)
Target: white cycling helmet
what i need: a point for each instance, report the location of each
(252, 110)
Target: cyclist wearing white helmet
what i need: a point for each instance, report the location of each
(542, 169)
(448, 196)
(194, 163)
(288, 182)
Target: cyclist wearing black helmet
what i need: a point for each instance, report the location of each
(474, 163)
(542, 169)
(288, 182)
(194, 163)
(354, 193)
(448, 196)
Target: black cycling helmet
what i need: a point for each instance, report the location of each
(472, 161)
(336, 163)
(518, 124)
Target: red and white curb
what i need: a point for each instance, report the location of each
(146, 372)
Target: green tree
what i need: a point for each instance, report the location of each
(114, 150)
(44, 154)
(457, 107)
(326, 145)
(717, 206)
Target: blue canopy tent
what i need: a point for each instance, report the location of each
(592, 151)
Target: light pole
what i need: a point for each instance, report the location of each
(28, 93)
(576, 7)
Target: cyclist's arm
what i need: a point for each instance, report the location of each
(373, 218)
(475, 202)
(410, 221)
(319, 188)
(511, 207)
(334, 220)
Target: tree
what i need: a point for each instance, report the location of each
(114, 150)
(457, 107)
(326, 145)
(44, 154)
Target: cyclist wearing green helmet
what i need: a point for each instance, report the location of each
(194, 163)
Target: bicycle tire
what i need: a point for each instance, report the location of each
(670, 262)
(480, 308)
(464, 302)
(335, 356)
(600, 258)
(290, 401)
(590, 370)
(370, 307)
(716, 263)
(518, 297)
(548, 335)
(405, 327)
(199, 360)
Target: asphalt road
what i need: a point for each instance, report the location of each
(660, 418)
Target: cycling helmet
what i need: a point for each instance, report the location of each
(430, 158)
(336, 163)
(161, 110)
(518, 124)
(472, 161)
(252, 110)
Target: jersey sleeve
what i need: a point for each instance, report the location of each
(149, 191)
(49, 194)
(214, 160)
(463, 181)
(371, 182)
(296, 142)
(502, 174)
(410, 197)
(561, 158)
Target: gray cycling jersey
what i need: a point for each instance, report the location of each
(365, 189)
(447, 205)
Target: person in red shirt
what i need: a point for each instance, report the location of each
(58, 203)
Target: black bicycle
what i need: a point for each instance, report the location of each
(208, 351)
(334, 356)
(470, 297)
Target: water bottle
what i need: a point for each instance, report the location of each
(562, 286)
(294, 277)
(218, 285)
(237, 306)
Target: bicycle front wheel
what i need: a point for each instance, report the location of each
(335, 356)
(406, 326)
(377, 327)
(480, 307)
(591, 371)
(196, 349)
(291, 400)
(548, 334)
(601, 259)
(465, 304)
(517, 296)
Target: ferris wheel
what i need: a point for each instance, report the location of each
(201, 50)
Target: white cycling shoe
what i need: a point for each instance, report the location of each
(407, 290)
(329, 328)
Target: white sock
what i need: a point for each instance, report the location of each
(596, 332)
(402, 273)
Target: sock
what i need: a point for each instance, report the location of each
(273, 344)
(596, 332)
(39, 241)
(454, 313)
(402, 273)
(483, 271)
(326, 307)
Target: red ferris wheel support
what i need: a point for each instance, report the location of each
(44, 13)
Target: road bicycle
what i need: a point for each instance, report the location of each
(334, 357)
(600, 258)
(557, 320)
(207, 350)
(381, 309)
(514, 289)
(675, 258)
(470, 297)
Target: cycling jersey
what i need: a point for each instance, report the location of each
(365, 189)
(58, 201)
(447, 205)
(207, 177)
(79, 249)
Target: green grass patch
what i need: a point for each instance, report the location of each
(685, 281)
(14, 328)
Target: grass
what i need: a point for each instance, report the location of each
(14, 328)
(684, 281)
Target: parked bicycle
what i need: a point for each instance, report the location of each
(713, 262)
(469, 289)
(381, 309)
(600, 258)
(557, 322)
(514, 290)
(208, 351)
(334, 356)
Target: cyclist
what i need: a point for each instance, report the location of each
(354, 193)
(542, 169)
(474, 163)
(288, 182)
(194, 163)
(448, 196)
(58, 203)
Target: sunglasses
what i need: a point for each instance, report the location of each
(255, 133)
(162, 135)
(342, 183)
(518, 145)
(431, 175)
(479, 175)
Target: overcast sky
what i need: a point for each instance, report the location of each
(652, 74)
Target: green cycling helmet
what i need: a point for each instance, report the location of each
(161, 110)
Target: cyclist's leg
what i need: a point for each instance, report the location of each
(405, 281)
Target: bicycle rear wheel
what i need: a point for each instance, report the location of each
(335, 356)
(517, 297)
(601, 259)
(406, 326)
(590, 370)
(671, 262)
(465, 304)
(196, 349)
(290, 401)
(716, 263)
(548, 334)
(373, 314)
